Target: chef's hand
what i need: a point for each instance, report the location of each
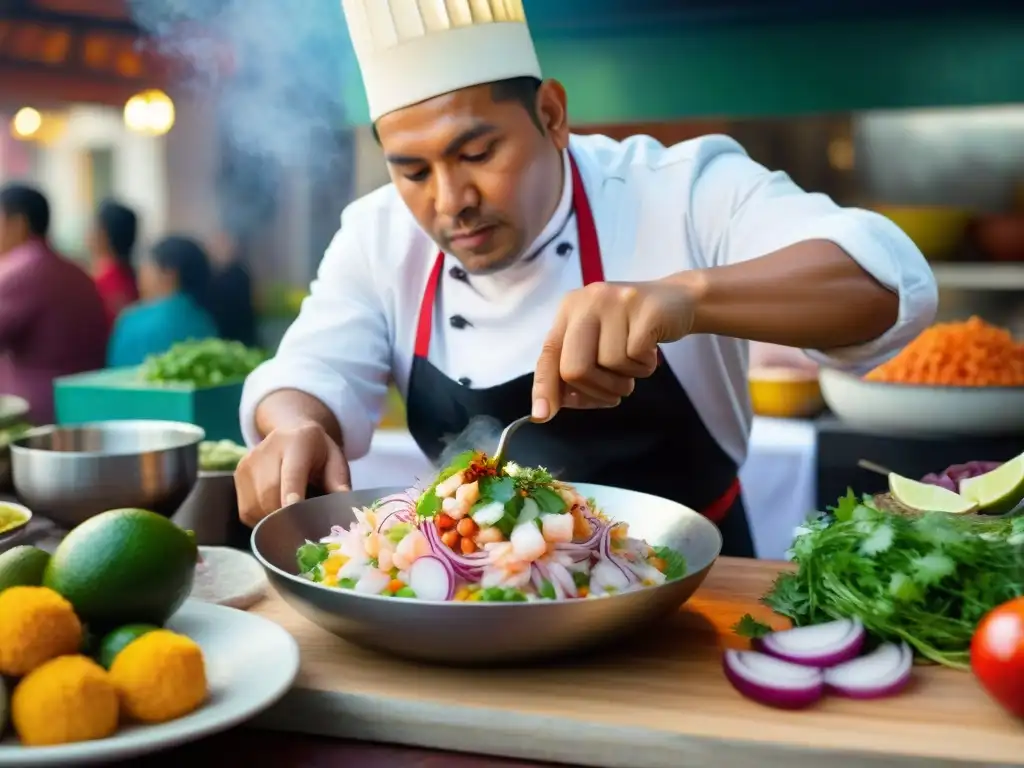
(277, 471)
(605, 337)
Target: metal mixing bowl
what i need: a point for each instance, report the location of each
(70, 474)
(485, 633)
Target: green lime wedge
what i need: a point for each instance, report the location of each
(928, 498)
(998, 491)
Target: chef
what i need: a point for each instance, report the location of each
(607, 287)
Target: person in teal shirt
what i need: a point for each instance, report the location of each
(173, 284)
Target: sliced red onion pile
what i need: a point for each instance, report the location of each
(795, 668)
(951, 477)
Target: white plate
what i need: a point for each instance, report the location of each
(250, 663)
(908, 410)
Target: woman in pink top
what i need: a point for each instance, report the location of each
(112, 241)
(52, 320)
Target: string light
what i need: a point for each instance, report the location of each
(26, 123)
(150, 112)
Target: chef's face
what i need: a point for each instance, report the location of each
(482, 175)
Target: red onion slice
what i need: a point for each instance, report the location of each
(772, 681)
(883, 672)
(560, 575)
(432, 578)
(821, 645)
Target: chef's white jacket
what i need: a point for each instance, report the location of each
(658, 210)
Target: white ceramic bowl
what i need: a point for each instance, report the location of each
(907, 410)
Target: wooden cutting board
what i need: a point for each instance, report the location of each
(660, 702)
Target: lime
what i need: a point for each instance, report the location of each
(22, 567)
(125, 566)
(998, 491)
(119, 639)
(928, 498)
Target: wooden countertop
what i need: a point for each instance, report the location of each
(659, 702)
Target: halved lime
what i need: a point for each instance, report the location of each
(997, 491)
(928, 498)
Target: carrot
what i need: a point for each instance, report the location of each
(972, 353)
(395, 584)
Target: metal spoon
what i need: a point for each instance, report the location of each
(506, 435)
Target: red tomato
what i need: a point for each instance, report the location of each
(997, 655)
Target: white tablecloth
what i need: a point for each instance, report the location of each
(778, 477)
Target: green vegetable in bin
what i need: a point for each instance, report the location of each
(205, 363)
(220, 455)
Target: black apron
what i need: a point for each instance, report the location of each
(654, 442)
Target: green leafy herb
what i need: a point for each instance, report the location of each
(406, 592)
(428, 504)
(926, 580)
(674, 561)
(547, 590)
(347, 583)
(310, 555)
(750, 627)
(500, 489)
(202, 363)
(508, 521)
(549, 502)
(580, 579)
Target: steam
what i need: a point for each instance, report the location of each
(276, 70)
(481, 434)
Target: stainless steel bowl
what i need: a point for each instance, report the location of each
(13, 409)
(468, 634)
(70, 474)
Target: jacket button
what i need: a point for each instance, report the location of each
(465, 382)
(564, 249)
(458, 273)
(459, 322)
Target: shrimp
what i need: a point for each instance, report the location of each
(454, 508)
(468, 494)
(557, 529)
(448, 487)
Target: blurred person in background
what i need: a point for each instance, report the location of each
(230, 299)
(52, 319)
(173, 283)
(111, 244)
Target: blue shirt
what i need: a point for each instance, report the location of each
(151, 328)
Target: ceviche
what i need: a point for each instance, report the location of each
(480, 534)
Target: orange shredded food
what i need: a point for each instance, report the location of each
(972, 353)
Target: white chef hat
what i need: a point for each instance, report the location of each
(413, 50)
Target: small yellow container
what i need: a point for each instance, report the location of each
(785, 393)
(937, 230)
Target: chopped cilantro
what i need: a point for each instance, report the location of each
(675, 563)
(750, 627)
(497, 488)
(310, 555)
(347, 583)
(549, 502)
(580, 579)
(406, 592)
(547, 590)
(925, 580)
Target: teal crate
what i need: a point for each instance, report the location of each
(117, 394)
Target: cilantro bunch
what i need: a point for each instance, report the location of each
(926, 580)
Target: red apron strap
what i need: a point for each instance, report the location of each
(590, 246)
(720, 507)
(426, 320)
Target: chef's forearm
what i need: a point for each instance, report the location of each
(290, 408)
(811, 295)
